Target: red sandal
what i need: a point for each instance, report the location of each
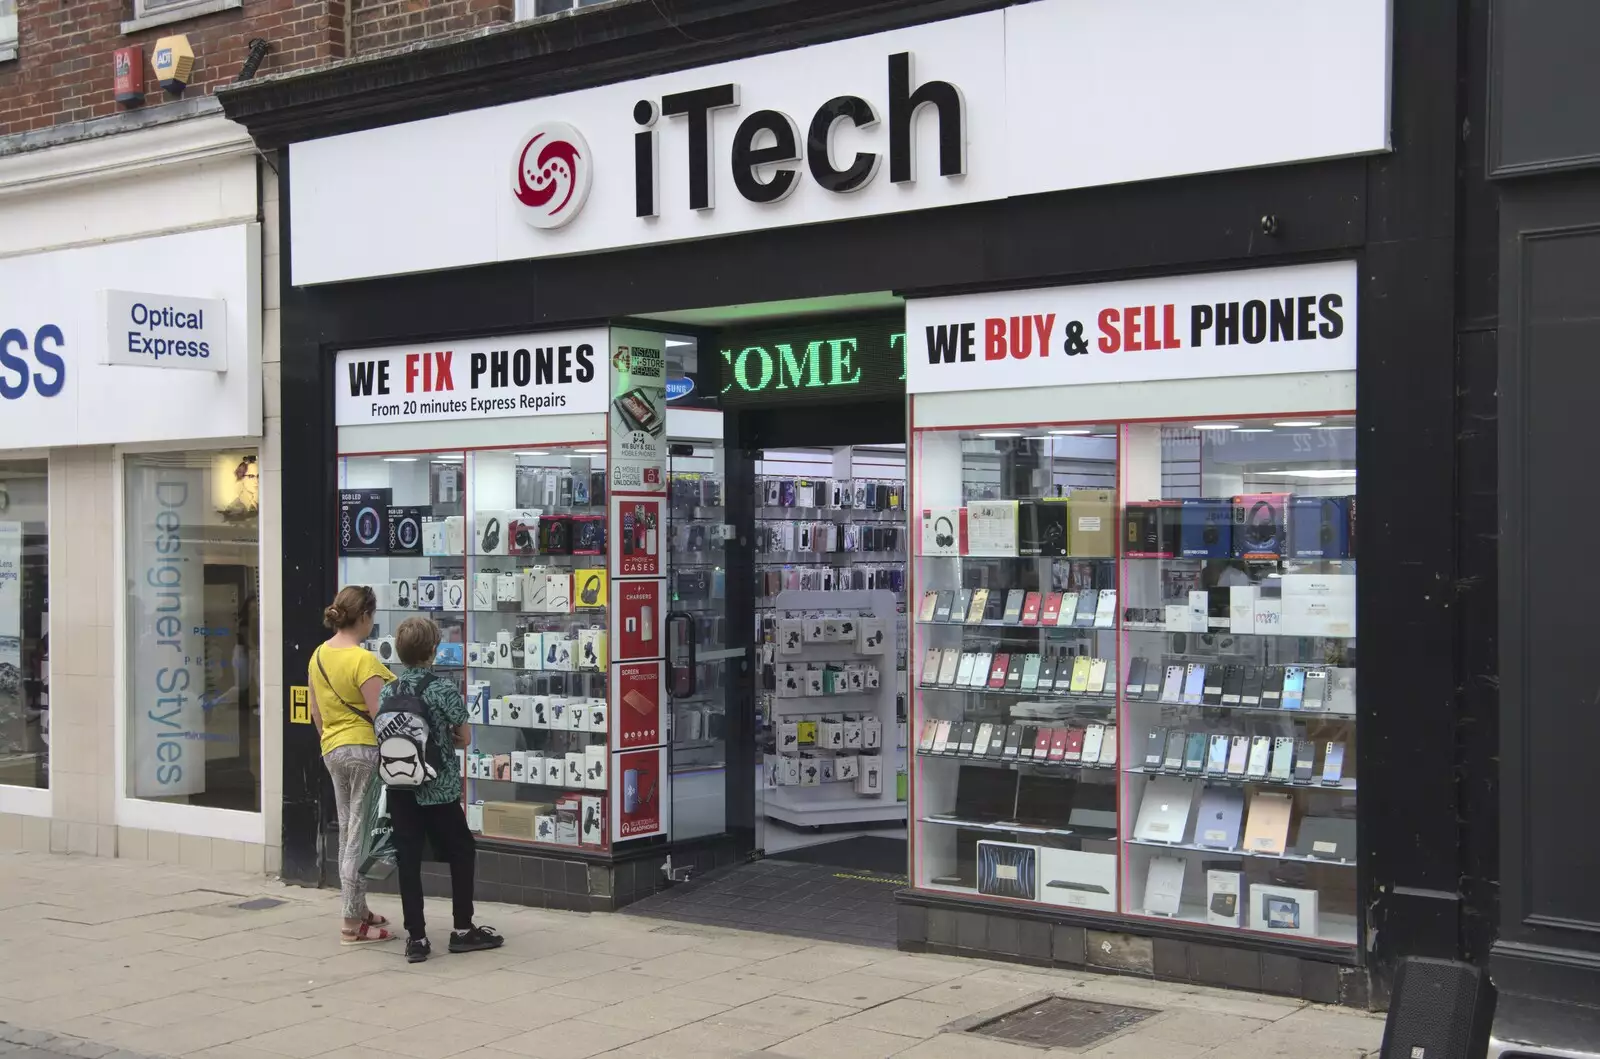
(365, 934)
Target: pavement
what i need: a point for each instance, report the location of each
(121, 959)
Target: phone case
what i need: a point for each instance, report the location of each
(1272, 687)
(958, 609)
(1093, 739)
(1155, 748)
(949, 665)
(1260, 749)
(1250, 687)
(1176, 740)
(964, 669)
(997, 741)
(1047, 673)
(930, 665)
(1058, 745)
(1013, 743)
(1013, 614)
(1172, 690)
(1041, 744)
(1294, 685)
(1217, 756)
(941, 612)
(980, 669)
(1238, 755)
(981, 740)
(1232, 685)
(1014, 673)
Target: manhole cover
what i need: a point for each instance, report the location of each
(258, 903)
(1061, 1023)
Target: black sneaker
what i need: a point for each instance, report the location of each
(475, 940)
(418, 949)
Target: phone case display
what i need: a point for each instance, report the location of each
(843, 532)
(507, 552)
(834, 712)
(693, 540)
(1177, 661)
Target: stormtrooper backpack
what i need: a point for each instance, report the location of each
(407, 756)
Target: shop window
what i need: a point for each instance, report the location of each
(8, 29)
(1136, 686)
(24, 624)
(159, 12)
(192, 669)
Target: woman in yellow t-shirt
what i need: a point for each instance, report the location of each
(345, 679)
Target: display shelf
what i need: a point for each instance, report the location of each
(1007, 826)
(1191, 847)
(1334, 928)
(1018, 626)
(1107, 699)
(1347, 786)
(785, 808)
(1017, 763)
(1274, 711)
(1148, 628)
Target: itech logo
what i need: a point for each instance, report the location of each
(17, 374)
(551, 174)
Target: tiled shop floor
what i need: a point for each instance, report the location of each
(785, 897)
(117, 959)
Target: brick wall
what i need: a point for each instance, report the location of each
(63, 69)
(378, 25)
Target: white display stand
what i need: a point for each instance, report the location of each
(838, 803)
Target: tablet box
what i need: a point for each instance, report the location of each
(1283, 910)
(1319, 527)
(1319, 605)
(1206, 528)
(1091, 522)
(1090, 878)
(1224, 898)
(1259, 525)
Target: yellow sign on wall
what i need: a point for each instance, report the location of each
(299, 705)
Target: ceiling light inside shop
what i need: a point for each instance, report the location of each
(1001, 434)
(400, 459)
(1314, 472)
(591, 452)
(1253, 430)
(1299, 423)
(1073, 433)
(1102, 435)
(533, 454)
(1216, 426)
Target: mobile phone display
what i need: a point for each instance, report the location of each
(1194, 684)
(1194, 755)
(1260, 748)
(1333, 764)
(1172, 689)
(1135, 685)
(1217, 758)
(1282, 758)
(1155, 748)
(1238, 755)
(1316, 690)
(1294, 687)
(1305, 760)
(1175, 744)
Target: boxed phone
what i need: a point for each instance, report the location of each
(1318, 605)
(1206, 529)
(1091, 522)
(1259, 525)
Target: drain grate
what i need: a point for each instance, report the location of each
(1060, 1023)
(258, 904)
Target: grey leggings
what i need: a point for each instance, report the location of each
(352, 768)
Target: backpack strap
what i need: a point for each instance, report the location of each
(316, 657)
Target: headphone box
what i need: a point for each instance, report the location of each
(405, 530)
(588, 535)
(558, 593)
(1042, 527)
(490, 532)
(454, 590)
(555, 534)
(1319, 527)
(590, 588)
(1092, 522)
(522, 536)
(483, 591)
(364, 521)
(507, 588)
(1152, 529)
(1258, 525)
(944, 530)
(455, 535)
(1207, 528)
(430, 592)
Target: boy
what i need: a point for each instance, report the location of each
(433, 810)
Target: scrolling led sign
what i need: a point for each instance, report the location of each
(852, 358)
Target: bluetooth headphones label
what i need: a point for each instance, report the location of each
(1260, 322)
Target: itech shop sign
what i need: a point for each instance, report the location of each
(561, 373)
(1270, 321)
(165, 331)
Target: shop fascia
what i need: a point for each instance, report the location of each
(749, 163)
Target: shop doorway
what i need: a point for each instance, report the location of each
(789, 500)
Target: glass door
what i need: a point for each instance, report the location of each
(698, 583)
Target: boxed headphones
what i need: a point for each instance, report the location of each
(943, 530)
(1258, 525)
(588, 535)
(1319, 527)
(1207, 531)
(589, 587)
(1042, 528)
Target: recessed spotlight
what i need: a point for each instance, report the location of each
(1299, 423)
(1000, 434)
(1073, 433)
(1216, 426)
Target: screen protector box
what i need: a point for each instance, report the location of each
(1207, 531)
(364, 521)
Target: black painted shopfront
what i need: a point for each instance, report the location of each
(1410, 217)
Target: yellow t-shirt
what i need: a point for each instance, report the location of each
(348, 668)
